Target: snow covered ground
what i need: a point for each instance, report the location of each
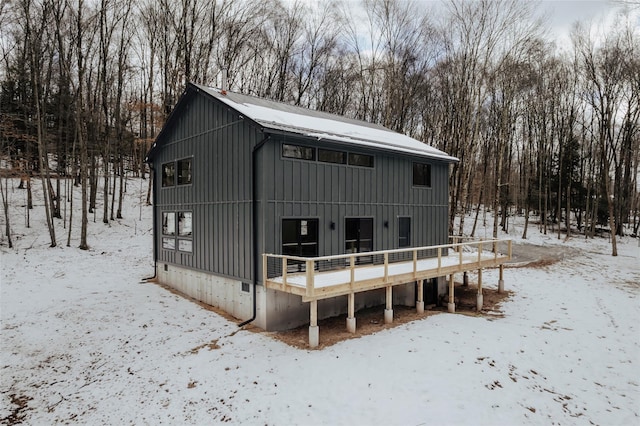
(82, 341)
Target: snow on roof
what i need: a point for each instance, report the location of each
(321, 125)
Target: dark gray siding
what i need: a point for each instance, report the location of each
(220, 143)
(329, 192)
(220, 196)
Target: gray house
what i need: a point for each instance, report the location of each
(236, 177)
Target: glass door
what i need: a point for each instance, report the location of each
(359, 236)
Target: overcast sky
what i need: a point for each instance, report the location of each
(563, 13)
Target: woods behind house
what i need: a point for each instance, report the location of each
(544, 130)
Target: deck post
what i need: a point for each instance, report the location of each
(386, 267)
(501, 280)
(465, 279)
(479, 298)
(309, 271)
(451, 307)
(351, 319)
(314, 330)
(388, 312)
(284, 273)
(352, 269)
(420, 301)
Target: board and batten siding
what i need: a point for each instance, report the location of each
(220, 143)
(293, 188)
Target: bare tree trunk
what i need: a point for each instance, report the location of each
(5, 204)
(122, 189)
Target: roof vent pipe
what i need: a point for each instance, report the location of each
(223, 85)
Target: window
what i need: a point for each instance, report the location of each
(422, 174)
(168, 174)
(185, 245)
(184, 224)
(300, 237)
(358, 235)
(184, 228)
(330, 156)
(297, 151)
(168, 223)
(184, 171)
(404, 232)
(168, 243)
(360, 160)
(169, 228)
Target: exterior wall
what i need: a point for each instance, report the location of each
(220, 292)
(219, 196)
(292, 188)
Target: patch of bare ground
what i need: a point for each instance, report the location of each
(535, 264)
(18, 415)
(371, 320)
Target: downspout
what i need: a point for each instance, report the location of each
(254, 224)
(155, 235)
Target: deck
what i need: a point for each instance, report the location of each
(329, 276)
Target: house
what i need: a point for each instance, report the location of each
(237, 178)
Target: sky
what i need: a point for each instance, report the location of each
(562, 14)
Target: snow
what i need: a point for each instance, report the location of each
(310, 124)
(83, 341)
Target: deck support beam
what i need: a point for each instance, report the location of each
(479, 298)
(420, 298)
(451, 306)
(314, 330)
(501, 280)
(388, 312)
(465, 279)
(351, 319)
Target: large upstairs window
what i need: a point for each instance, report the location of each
(184, 168)
(168, 174)
(422, 174)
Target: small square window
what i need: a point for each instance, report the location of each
(184, 171)
(185, 245)
(422, 174)
(169, 243)
(168, 174)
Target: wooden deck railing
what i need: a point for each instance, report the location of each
(327, 276)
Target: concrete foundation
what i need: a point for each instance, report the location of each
(220, 292)
(500, 286)
(451, 307)
(351, 325)
(314, 336)
(479, 302)
(388, 316)
(420, 307)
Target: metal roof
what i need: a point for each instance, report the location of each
(320, 125)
